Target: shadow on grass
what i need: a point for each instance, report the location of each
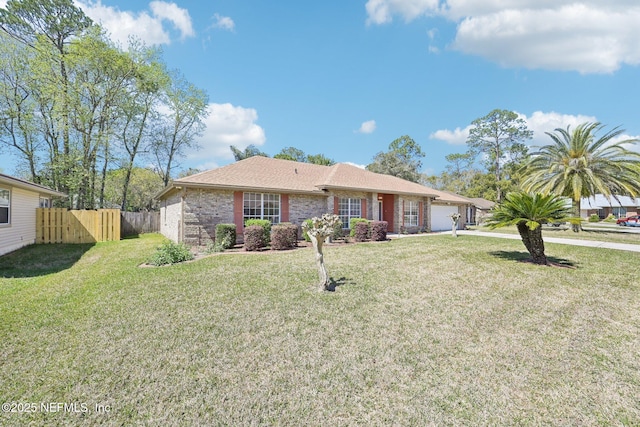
(40, 260)
(339, 282)
(525, 257)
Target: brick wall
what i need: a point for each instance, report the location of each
(303, 207)
(203, 210)
(170, 216)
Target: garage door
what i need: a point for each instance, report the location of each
(440, 220)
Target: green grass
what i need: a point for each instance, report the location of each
(420, 331)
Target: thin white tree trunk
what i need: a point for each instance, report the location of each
(322, 270)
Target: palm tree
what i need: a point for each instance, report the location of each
(578, 165)
(528, 212)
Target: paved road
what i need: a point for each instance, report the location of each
(575, 242)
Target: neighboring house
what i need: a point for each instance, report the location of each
(288, 191)
(479, 211)
(18, 202)
(618, 206)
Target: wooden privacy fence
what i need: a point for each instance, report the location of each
(59, 225)
(134, 223)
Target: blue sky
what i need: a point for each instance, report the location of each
(345, 78)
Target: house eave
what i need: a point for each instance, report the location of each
(30, 186)
(375, 190)
(185, 184)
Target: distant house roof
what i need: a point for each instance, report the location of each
(483, 204)
(276, 175)
(26, 185)
(600, 201)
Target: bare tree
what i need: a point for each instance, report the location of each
(318, 231)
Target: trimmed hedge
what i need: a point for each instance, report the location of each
(362, 231)
(225, 236)
(284, 236)
(594, 218)
(379, 230)
(254, 238)
(264, 223)
(352, 225)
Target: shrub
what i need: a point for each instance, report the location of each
(284, 236)
(171, 253)
(225, 236)
(352, 225)
(214, 248)
(264, 223)
(379, 230)
(254, 238)
(610, 218)
(362, 231)
(305, 236)
(337, 231)
(594, 218)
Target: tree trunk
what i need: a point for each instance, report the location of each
(524, 234)
(537, 247)
(577, 227)
(322, 270)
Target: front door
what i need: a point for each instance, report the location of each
(387, 211)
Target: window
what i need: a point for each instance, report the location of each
(349, 208)
(45, 202)
(619, 212)
(262, 206)
(5, 205)
(410, 213)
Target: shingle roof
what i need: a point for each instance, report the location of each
(262, 173)
(268, 174)
(482, 203)
(446, 196)
(600, 201)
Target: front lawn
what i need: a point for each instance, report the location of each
(420, 331)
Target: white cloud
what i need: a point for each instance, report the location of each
(227, 125)
(148, 26)
(178, 16)
(588, 36)
(3, 3)
(382, 11)
(453, 137)
(223, 22)
(367, 127)
(539, 122)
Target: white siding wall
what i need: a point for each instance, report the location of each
(22, 230)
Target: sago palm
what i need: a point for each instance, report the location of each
(528, 212)
(578, 165)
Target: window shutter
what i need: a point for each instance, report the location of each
(284, 208)
(336, 204)
(363, 208)
(238, 211)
